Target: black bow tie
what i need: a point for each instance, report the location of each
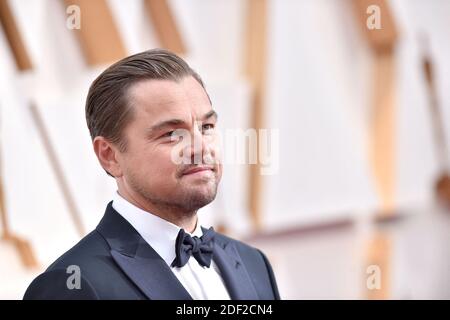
(201, 248)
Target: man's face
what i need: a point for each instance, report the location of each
(162, 164)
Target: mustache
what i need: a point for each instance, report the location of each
(208, 160)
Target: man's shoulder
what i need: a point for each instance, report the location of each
(84, 263)
(90, 249)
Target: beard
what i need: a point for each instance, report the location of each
(184, 198)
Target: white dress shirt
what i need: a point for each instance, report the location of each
(202, 283)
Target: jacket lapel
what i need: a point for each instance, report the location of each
(138, 260)
(149, 272)
(233, 271)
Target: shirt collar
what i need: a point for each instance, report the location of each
(160, 234)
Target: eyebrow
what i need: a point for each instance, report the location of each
(210, 114)
(178, 122)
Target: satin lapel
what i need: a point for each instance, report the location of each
(138, 260)
(151, 274)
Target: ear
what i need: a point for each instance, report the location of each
(107, 156)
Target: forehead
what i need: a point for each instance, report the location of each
(156, 100)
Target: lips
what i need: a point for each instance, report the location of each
(197, 169)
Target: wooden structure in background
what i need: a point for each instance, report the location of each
(255, 71)
(22, 246)
(98, 35)
(13, 37)
(165, 25)
(378, 253)
(442, 184)
(382, 130)
(382, 42)
(23, 63)
(58, 170)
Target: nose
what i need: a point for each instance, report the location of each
(194, 147)
(197, 148)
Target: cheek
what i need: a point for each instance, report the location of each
(219, 171)
(152, 165)
(215, 146)
(159, 164)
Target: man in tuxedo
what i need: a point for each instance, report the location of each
(153, 130)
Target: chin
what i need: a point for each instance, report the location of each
(207, 196)
(197, 199)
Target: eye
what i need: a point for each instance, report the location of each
(207, 127)
(172, 136)
(168, 134)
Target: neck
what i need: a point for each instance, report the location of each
(182, 219)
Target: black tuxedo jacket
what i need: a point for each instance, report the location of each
(115, 262)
